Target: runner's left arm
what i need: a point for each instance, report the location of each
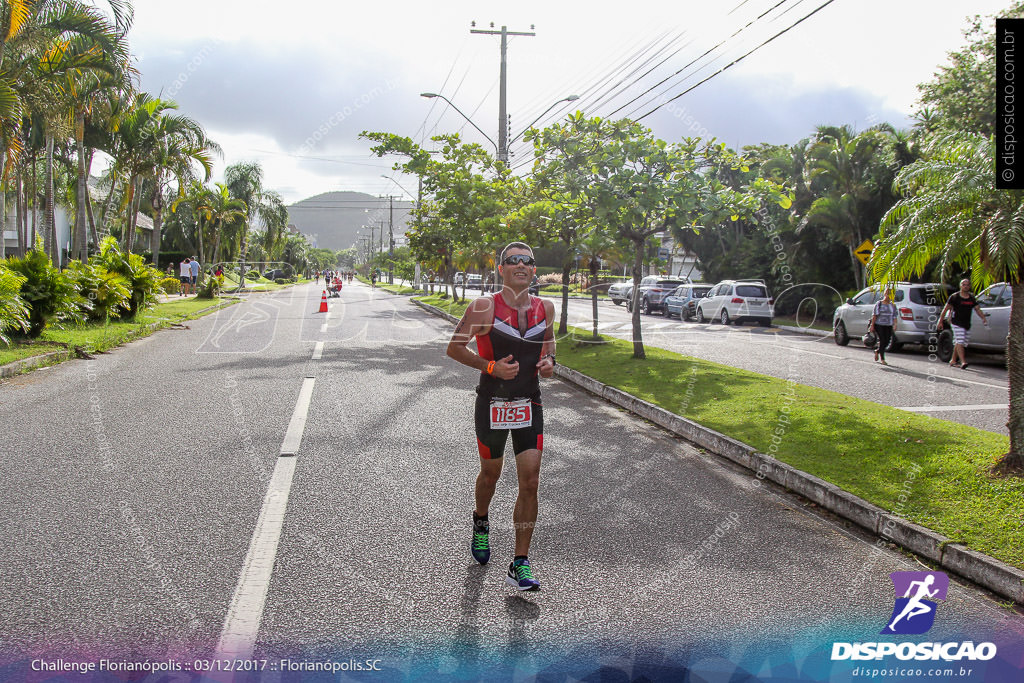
(546, 365)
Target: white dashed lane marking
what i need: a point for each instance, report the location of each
(242, 624)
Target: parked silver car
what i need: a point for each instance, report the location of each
(995, 301)
(619, 292)
(919, 305)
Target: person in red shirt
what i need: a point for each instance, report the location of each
(514, 332)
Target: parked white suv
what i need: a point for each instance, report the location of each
(737, 301)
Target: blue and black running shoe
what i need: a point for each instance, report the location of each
(521, 576)
(480, 546)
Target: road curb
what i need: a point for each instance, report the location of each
(983, 570)
(805, 330)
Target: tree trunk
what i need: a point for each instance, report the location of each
(154, 240)
(638, 264)
(856, 269)
(19, 211)
(50, 245)
(88, 213)
(79, 240)
(35, 203)
(563, 317)
(1014, 460)
(593, 293)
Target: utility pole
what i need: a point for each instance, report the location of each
(502, 97)
(391, 241)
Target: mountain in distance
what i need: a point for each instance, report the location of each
(334, 220)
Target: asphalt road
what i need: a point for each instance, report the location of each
(977, 396)
(131, 486)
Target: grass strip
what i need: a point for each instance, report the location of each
(930, 471)
(100, 336)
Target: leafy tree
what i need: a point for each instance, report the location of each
(49, 293)
(950, 211)
(14, 314)
(959, 96)
(638, 185)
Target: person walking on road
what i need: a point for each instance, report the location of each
(883, 317)
(514, 333)
(962, 304)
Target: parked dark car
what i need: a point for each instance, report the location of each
(653, 290)
(535, 286)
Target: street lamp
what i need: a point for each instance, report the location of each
(570, 98)
(399, 185)
(434, 94)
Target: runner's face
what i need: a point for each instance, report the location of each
(520, 275)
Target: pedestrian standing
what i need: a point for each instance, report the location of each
(514, 332)
(194, 269)
(185, 277)
(883, 317)
(962, 304)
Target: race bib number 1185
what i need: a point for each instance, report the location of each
(511, 414)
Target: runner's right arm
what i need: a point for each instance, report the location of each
(476, 321)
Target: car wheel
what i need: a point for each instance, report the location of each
(700, 315)
(944, 348)
(840, 335)
(894, 345)
(765, 323)
(645, 307)
(617, 303)
(724, 317)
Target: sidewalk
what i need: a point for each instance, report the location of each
(944, 552)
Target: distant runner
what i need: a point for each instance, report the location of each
(962, 304)
(515, 338)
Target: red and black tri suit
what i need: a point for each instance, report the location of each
(524, 341)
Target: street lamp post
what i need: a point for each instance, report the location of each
(434, 94)
(570, 98)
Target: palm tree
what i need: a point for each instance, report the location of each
(951, 211)
(245, 181)
(843, 170)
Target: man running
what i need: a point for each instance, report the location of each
(914, 606)
(515, 338)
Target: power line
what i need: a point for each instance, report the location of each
(738, 60)
(697, 59)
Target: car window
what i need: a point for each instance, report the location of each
(668, 283)
(726, 290)
(993, 296)
(700, 292)
(898, 296)
(751, 290)
(927, 296)
(869, 297)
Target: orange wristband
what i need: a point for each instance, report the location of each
(490, 368)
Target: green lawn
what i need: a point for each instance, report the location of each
(100, 337)
(866, 448)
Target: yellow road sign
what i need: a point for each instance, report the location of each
(863, 252)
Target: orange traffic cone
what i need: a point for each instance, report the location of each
(323, 303)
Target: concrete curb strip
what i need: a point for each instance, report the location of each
(983, 570)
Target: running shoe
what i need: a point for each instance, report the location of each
(480, 546)
(521, 576)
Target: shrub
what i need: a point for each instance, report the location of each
(143, 280)
(253, 275)
(280, 281)
(13, 311)
(51, 296)
(108, 293)
(170, 285)
(211, 288)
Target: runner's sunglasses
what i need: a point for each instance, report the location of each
(514, 259)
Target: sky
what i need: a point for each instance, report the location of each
(291, 85)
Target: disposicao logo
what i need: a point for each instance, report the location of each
(913, 614)
(916, 595)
